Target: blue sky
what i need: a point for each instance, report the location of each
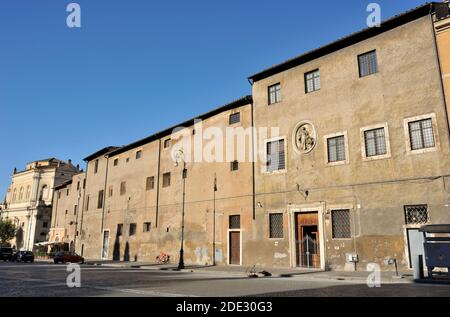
(136, 67)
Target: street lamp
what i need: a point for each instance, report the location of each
(179, 154)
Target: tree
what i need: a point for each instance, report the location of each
(7, 230)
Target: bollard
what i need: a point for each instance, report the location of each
(418, 267)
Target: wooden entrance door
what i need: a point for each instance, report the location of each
(235, 247)
(307, 239)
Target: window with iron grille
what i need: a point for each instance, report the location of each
(274, 94)
(235, 222)
(100, 199)
(336, 149)
(150, 183)
(138, 154)
(132, 229)
(421, 134)
(340, 220)
(312, 81)
(367, 63)
(95, 166)
(119, 229)
(417, 214)
(375, 142)
(166, 180)
(275, 156)
(235, 118)
(123, 188)
(234, 166)
(276, 226)
(167, 143)
(147, 226)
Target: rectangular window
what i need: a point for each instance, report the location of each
(147, 226)
(312, 81)
(150, 183)
(84, 183)
(110, 191)
(367, 63)
(119, 229)
(87, 202)
(95, 166)
(138, 154)
(166, 180)
(234, 166)
(44, 224)
(234, 118)
(375, 142)
(421, 134)
(340, 221)
(123, 188)
(276, 226)
(116, 162)
(167, 143)
(75, 208)
(274, 92)
(67, 191)
(275, 156)
(336, 149)
(78, 185)
(100, 199)
(416, 214)
(59, 194)
(132, 229)
(235, 222)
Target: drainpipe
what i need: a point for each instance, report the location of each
(104, 194)
(253, 161)
(84, 195)
(157, 183)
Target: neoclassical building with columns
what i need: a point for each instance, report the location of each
(29, 198)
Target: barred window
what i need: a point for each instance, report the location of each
(367, 63)
(132, 229)
(234, 166)
(119, 229)
(421, 134)
(276, 226)
(416, 214)
(235, 118)
(166, 180)
(312, 81)
(274, 93)
(340, 220)
(275, 156)
(123, 188)
(375, 142)
(235, 222)
(336, 149)
(100, 199)
(150, 183)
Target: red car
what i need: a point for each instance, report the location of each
(67, 257)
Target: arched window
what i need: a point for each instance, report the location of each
(14, 194)
(21, 193)
(44, 193)
(28, 192)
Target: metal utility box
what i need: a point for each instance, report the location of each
(437, 248)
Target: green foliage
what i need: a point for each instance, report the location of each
(7, 230)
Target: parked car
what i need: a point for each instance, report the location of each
(6, 253)
(67, 257)
(23, 256)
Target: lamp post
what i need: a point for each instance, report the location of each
(179, 154)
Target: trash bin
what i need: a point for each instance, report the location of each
(436, 248)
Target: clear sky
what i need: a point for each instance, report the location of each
(136, 67)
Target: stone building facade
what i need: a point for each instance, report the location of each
(353, 160)
(29, 199)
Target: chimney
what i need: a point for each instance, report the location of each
(78, 166)
(15, 170)
(70, 162)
